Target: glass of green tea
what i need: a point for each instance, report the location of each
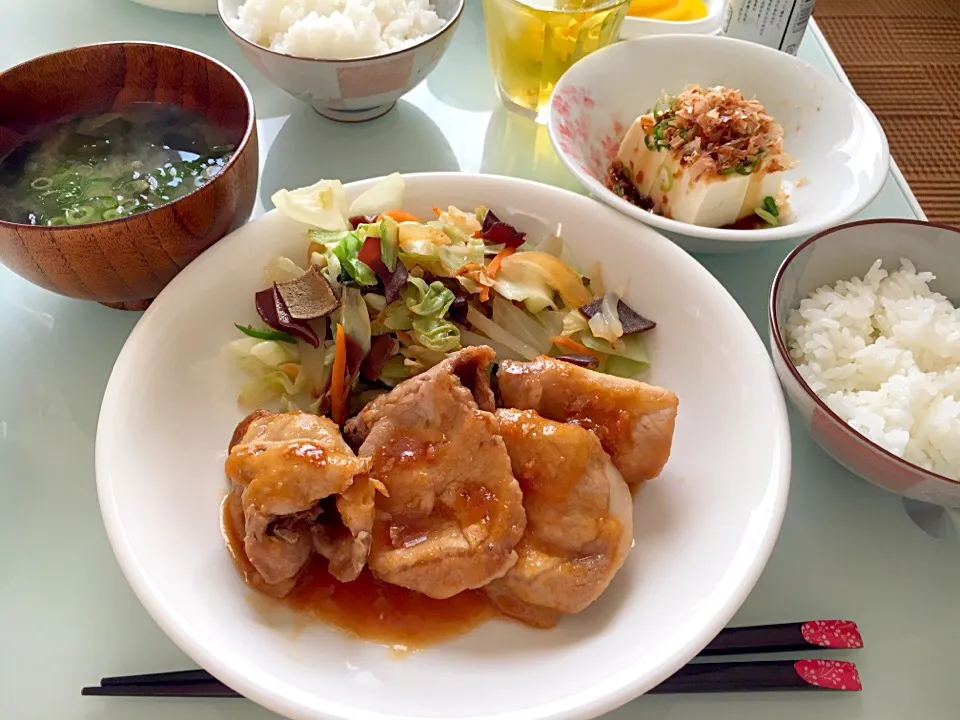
(533, 42)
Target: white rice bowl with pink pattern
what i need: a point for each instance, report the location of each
(841, 152)
(349, 67)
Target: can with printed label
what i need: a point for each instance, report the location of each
(779, 24)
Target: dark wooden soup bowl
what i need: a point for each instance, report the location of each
(127, 261)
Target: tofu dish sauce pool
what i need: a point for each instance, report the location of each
(455, 427)
(94, 168)
(706, 157)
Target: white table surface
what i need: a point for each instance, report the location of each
(67, 617)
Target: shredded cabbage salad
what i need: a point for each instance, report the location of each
(380, 295)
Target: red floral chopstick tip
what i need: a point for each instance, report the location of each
(833, 634)
(829, 674)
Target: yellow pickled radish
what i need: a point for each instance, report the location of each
(684, 10)
(649, 8)
(671, 10)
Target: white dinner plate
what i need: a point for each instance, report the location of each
(704, 528)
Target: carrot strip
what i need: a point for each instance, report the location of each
(401, 216)
(338, 378)
(494, 267)
(567, 344)
(484, 293)
(437, 210)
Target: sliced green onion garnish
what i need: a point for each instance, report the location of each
(266, 334)
(770, 205)
(767, 217)
(728, 171)
(135, 187)
(66, 198)
(57, 221)
(106, 202)
(648, 141)
(128, 205)
(751, 166)
(80, 214)
(42, 183)
(110, 214)
(96, 187)
(666, 184)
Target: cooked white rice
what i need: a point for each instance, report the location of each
(883, 352)
(336, 29)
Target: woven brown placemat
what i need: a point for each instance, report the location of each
(903, 58)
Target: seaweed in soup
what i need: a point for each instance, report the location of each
(94, 168)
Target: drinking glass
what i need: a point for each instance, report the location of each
(533, 42)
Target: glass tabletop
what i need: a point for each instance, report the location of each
(67, 617)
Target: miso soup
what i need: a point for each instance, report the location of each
(92, 168)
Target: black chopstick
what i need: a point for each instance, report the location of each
(177, 676)
(786, 637)
(806, 674)
(210, 689)
(762, 676)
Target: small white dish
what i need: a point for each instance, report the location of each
(634, 27)
(355, 89)
(841, 149)
(705, 528)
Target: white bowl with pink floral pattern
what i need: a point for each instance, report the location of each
(841, 151)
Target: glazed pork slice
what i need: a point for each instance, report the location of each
(282, 465)
(343, 534)
(453, 512)
(579, 519)
(634, 420)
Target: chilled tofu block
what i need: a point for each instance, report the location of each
(708, 202)
(637, 160)
(763, 184)
(704, 157)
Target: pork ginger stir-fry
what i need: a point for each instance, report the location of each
(282, 468)
(633, 420)
(579, 519)
(448, 494)
(454, 511)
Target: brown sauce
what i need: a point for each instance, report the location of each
(367, 608)
(619, 182)
(750, 222)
